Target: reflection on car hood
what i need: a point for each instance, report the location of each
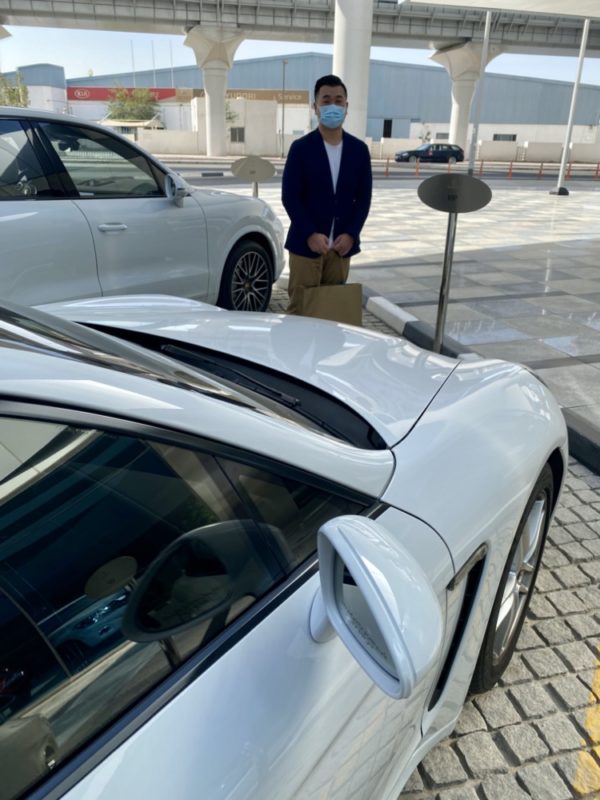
(386, 379)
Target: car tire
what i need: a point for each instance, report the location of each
(452, 160)
(516, 586)
(412, 159)
(247, 280)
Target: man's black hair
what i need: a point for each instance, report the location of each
(330, 80)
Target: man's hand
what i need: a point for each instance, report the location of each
(318, 243)
(343, 244)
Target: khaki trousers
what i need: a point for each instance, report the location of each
(330, 269)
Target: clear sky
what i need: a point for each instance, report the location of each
(103, 52)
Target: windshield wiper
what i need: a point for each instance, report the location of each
(215, 367)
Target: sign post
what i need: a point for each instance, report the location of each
(253, 169)
(455, 194)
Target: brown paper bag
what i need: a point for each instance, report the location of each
(342, 303)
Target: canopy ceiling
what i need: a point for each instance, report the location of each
(559, 8)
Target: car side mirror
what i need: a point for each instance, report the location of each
(176, 188)
(206, 572)
(379, 602)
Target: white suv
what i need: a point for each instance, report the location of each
(84, 212)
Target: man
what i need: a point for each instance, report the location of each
(326, 191)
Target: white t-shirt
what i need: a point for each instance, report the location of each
(334, 154)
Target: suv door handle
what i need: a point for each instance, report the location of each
(112, 227)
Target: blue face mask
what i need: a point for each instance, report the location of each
(332, 116)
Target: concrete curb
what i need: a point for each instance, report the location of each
(584, 438)
(420, 333)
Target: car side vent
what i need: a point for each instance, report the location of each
(473, 569)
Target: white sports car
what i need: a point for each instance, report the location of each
(252, 556)
(85, 212)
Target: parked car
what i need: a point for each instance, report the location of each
(318, 538)
(86, 212)
(90, 632)
(443, 153)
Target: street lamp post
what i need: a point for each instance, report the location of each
(283, 64)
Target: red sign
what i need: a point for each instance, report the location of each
(103, 94)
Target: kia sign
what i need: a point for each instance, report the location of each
(102, 94)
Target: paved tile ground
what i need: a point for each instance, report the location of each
(537, 734)
(525, 280)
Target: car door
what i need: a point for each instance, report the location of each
(144, 241)
(47, 248)
(173, 582)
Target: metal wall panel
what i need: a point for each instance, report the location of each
(396, 91)
(40, 75)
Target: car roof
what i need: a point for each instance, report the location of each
(61, 364)
(38, 113)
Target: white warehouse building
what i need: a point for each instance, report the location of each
(407, 103)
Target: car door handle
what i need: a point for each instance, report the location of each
(112, 227)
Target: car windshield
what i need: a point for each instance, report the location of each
(278, 392)
(30, 329)
(227, 379)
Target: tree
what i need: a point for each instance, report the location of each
(15, 94)
(134, 104)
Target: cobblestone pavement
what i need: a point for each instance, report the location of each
(537, 734)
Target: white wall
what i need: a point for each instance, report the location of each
(48, 98)
(176, 116)
(541, 133)
(543, 152)
(257, 117)
(297, 119)
(419, 129)
(171, 142)
(387, 148)
(497, 151)
(525, 133)
(586, 153)
(92, 112)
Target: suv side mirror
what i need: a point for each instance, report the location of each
(379, 601)
(176, 188)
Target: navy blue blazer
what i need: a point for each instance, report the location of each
(308, 197)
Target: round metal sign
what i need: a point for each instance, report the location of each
(454, 193)
(111, 577)
(253, 169)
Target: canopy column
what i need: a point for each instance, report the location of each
(214, 49)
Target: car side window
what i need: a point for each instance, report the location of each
(294, 509)
(21, 174)
(120, 556)
(28, 672)
(101, 165)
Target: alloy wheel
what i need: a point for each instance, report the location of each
(251, 282)
(520, 577)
